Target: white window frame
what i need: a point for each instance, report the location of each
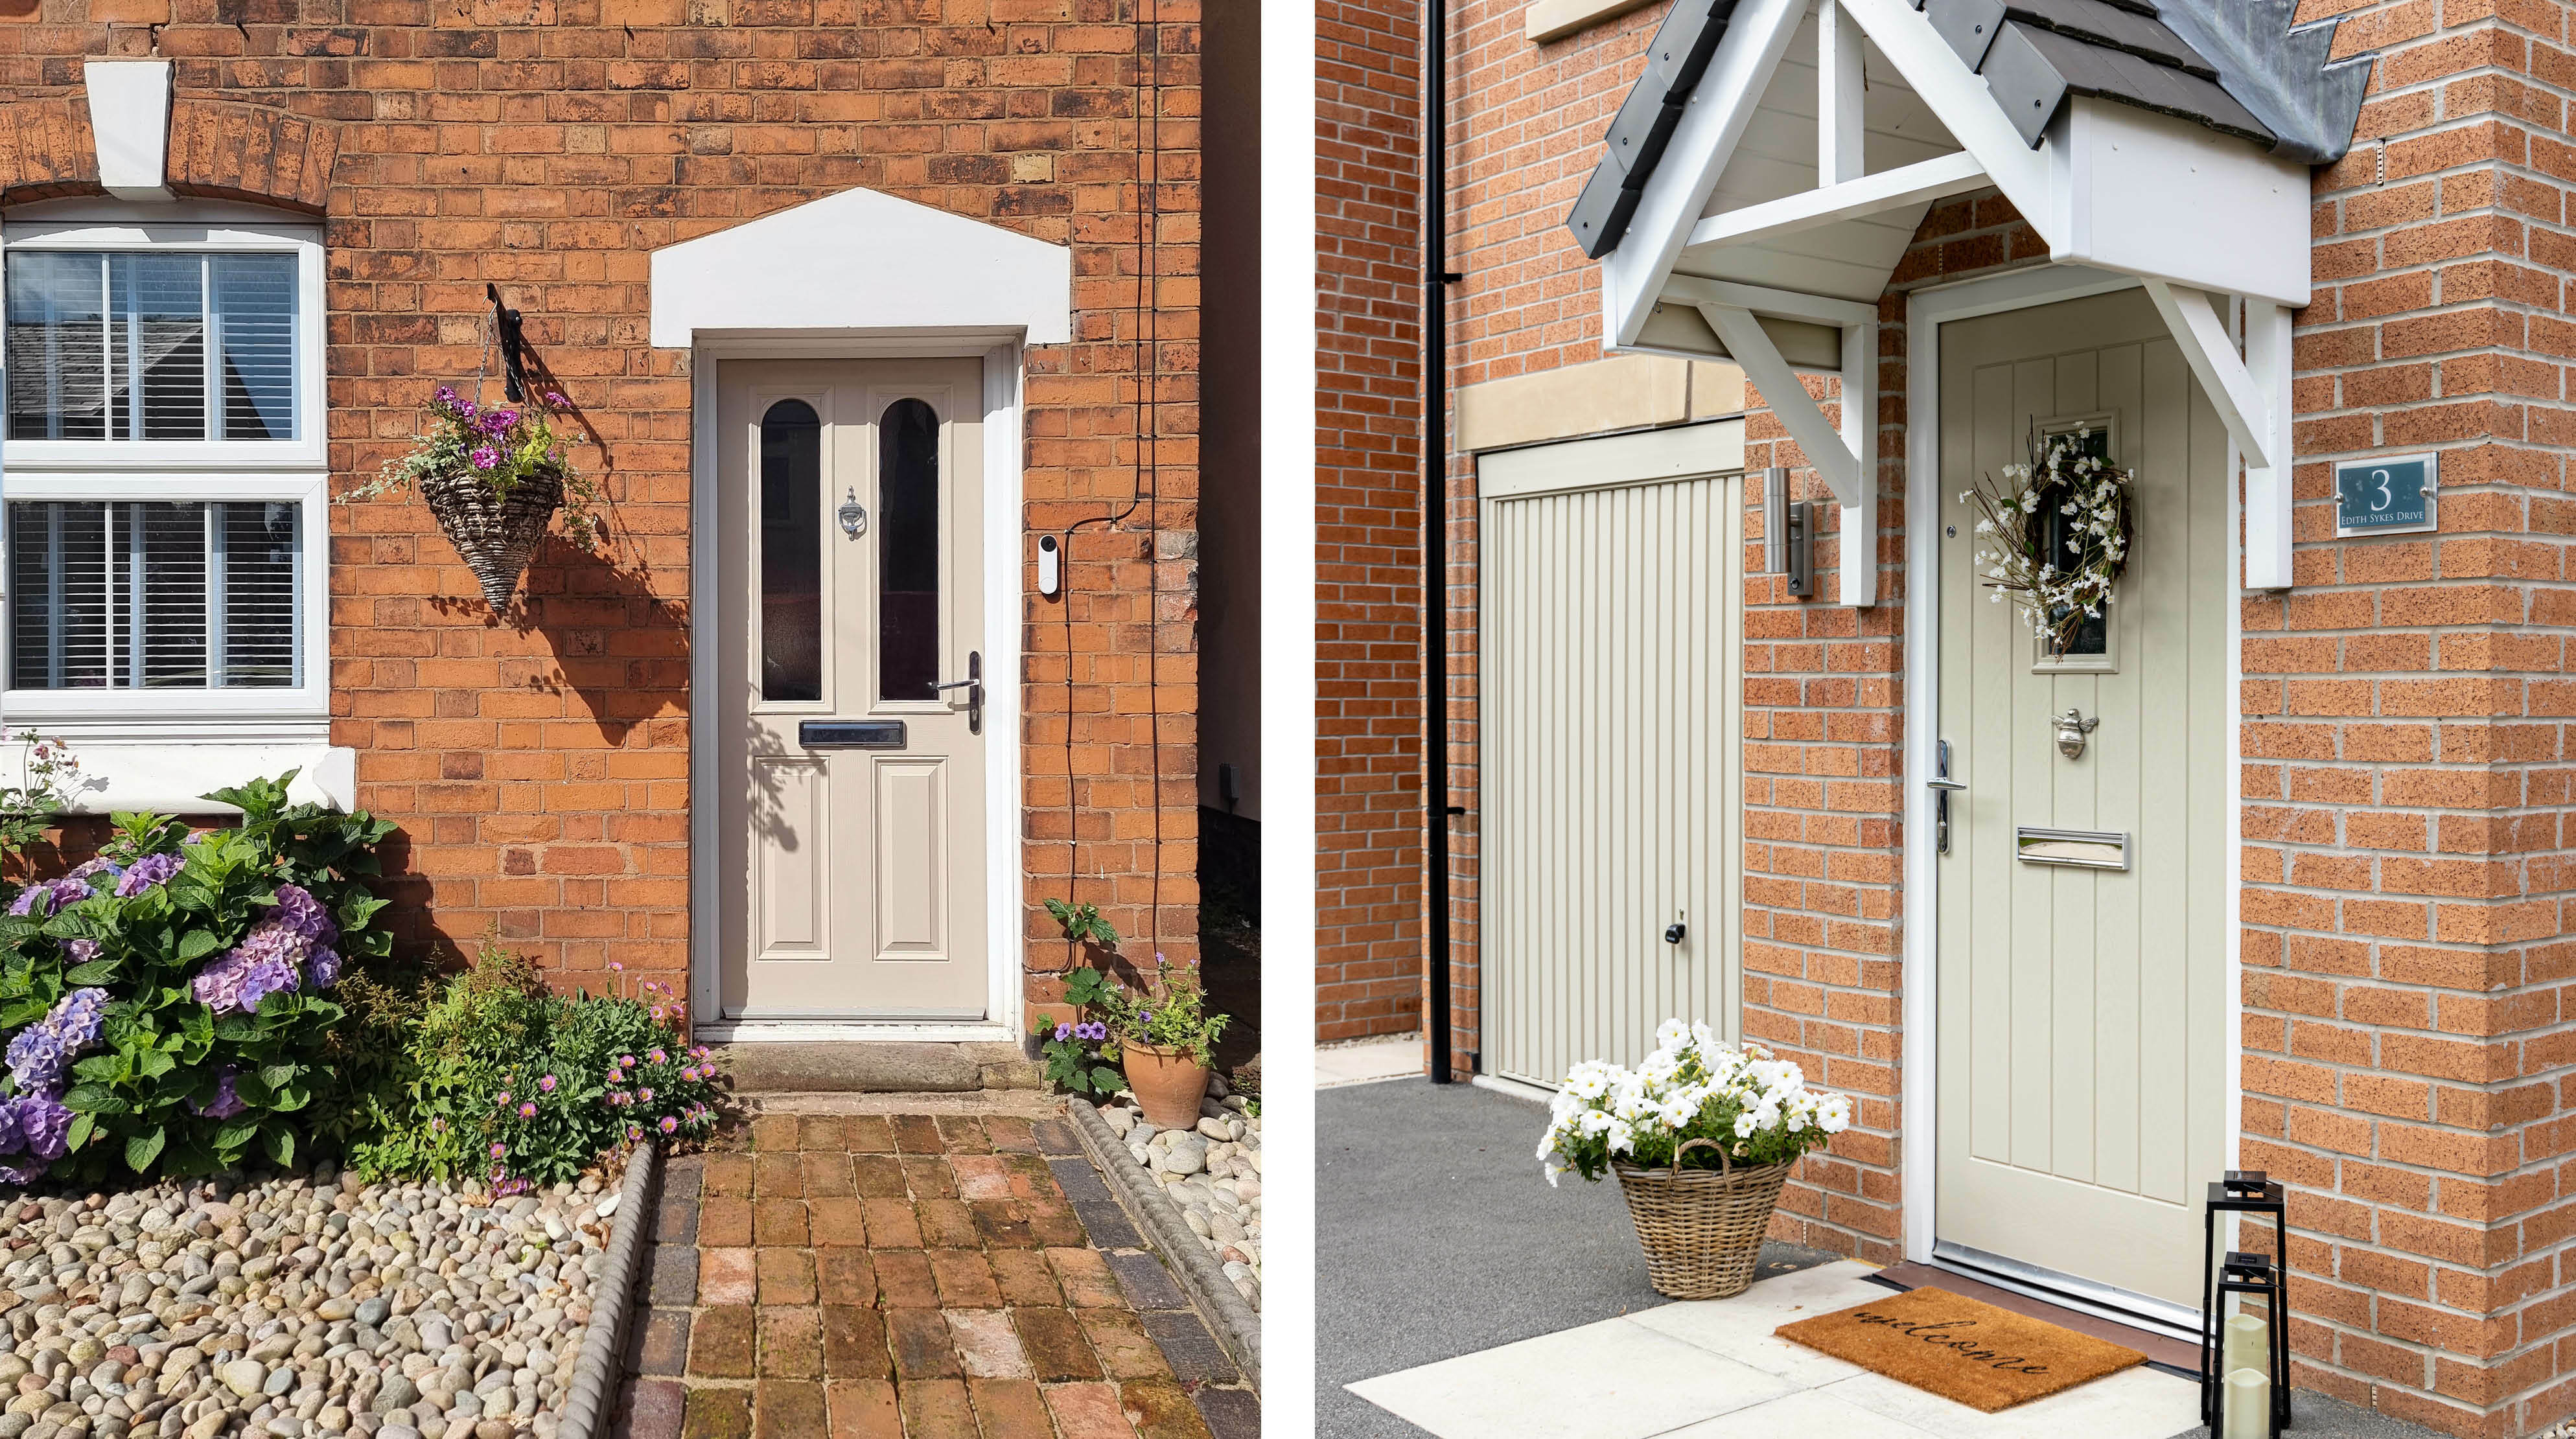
(293, 471)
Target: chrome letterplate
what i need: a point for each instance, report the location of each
(2081, 848)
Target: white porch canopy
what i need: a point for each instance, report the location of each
(1770, 170)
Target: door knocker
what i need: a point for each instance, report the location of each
(854, 516)
(2072, 730)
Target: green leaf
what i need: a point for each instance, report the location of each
(235, 1134)
(153, 1063)
(81, 1130)
(142, 1149)
(278, 1076)
(97, 971)
(278, 1140)
(196, 944)
(1107, 1081)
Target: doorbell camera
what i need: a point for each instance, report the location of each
(1048, 570)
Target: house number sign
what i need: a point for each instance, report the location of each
(2389, 495)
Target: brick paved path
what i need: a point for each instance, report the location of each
(859, 1276)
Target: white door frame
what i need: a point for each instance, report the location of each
(1926, 311)
(1005, 366)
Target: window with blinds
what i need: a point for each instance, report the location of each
(151, 345)
(155, 595)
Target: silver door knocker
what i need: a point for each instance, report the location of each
(2072, 729)
(854, 516)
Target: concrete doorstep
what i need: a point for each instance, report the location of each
(862, 1066)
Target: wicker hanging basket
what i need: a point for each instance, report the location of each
(1702, 1228)
(494, 534)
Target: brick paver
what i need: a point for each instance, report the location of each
(953, 1276)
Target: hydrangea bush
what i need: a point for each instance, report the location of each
(1756, 1109)
(168, 1006)
(509, 1084)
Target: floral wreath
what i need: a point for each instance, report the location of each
(2019, 560)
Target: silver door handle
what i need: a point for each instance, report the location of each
(1942, 787)
(973, 685)
(1945, 786)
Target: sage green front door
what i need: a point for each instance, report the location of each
(2082, 1046)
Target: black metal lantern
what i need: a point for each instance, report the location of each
(2245, 1275)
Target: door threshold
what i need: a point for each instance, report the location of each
(855, 1030)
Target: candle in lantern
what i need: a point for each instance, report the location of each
(2246, 1345)
(2248, 1399)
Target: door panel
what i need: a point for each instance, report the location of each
(849, 567)
(2081, 1012)
(1611, 762)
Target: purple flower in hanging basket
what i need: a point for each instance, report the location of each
(485, 457)
(498, 422)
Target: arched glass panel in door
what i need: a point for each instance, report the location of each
(791, 552)
(908, 551)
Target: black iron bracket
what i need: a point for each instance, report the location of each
(514, 347)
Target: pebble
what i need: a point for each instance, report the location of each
(289, 1308)
(1211, 1171)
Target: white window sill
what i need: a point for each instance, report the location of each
(129, 770)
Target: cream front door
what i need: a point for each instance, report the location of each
(853, 825)
(2081, 1045)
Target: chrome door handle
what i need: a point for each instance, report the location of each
(1942, 787)
(973, 685)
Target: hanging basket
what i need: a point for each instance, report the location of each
(1702, 1228)
(494, 534)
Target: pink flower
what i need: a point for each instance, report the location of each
(547, 1084)
(658, 1057)
(527, 1111)
(670, 1125)
(644, 1095)
(616, 968)
(499, 1150)
(485, 457)
(504, 1099)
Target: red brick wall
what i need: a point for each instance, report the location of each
(1368, 496)
(2406, 879)
(538, 765)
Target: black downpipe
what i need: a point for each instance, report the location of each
(1436, 280)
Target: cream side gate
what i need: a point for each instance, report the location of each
(2082, 1052)
(1610, 744)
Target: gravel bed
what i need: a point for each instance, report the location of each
(1212, 1172)
(295, 1308)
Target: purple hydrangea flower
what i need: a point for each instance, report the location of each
(298, 932)
(47, 1125)
(227, 1103)
(21, 1175)
(144, 873)
(485, 457)
(41, 899)
(43, 1051)
(13, 1140)
(81, 951)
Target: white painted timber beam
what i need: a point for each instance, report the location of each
(1961, 99)
(1846, 457)
(1712, 124)
(1762, 300)
(1924, 180)
(2268, 500)
(2193, 318)
(1840, 88)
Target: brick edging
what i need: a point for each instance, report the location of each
(1230, 1319)
(601, 1367)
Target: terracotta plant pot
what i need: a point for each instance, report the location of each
(1169, 1083)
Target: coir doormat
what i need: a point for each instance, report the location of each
(1953, 1346)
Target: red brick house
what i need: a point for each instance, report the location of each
(884, 324)
(2265, 867)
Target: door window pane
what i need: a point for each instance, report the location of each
(791, 552)
(156, 595)
(2066, 548)
(117, 346)
(908, 552)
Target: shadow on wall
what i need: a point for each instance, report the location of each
(620, 650)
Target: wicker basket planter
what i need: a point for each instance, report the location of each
(1702, 1228)
(494, 534)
